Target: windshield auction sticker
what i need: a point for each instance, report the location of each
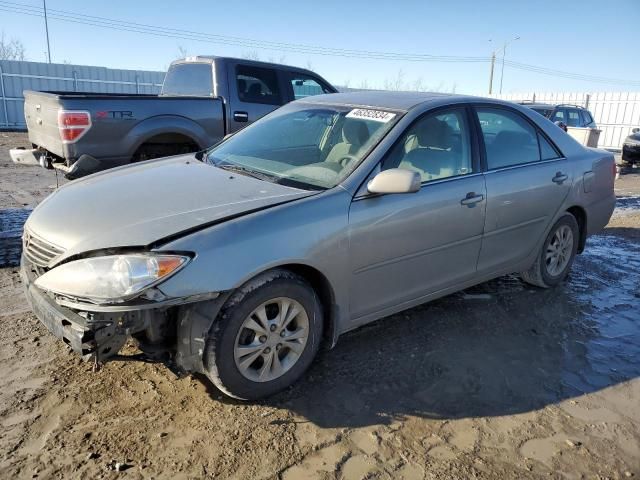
(375, 115)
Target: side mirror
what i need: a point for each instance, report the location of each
(395, 180)
(561, 125)
(635, 130)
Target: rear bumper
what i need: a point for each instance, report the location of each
(32, 157)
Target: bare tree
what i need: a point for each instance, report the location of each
(418, 85)
(364, 84)
(437, 88)
(182, 52)
(11, 49)
(395, 84)
(251, 55)
(280, 59)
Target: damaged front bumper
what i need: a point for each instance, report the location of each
(95, 335)
(98, 332)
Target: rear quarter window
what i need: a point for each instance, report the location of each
(189, 79)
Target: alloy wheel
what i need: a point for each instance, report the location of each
(559, 251)
(271, 339)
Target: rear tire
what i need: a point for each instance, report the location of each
(265, 337)
(556, 255)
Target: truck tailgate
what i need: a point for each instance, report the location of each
(41, 115)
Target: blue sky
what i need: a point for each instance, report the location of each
(588, 37)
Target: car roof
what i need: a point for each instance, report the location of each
(244, 61)
(402, 101)
(537, 105)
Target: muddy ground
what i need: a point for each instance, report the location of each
(500, 381)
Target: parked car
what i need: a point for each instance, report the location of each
(631, 148)
(202, 100)
(564, 115)
(329, 213)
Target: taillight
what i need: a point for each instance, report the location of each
(73, 125)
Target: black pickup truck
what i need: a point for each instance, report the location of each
(203, 99)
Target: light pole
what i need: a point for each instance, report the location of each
(504, 51)
(46, 28)
(493, 63)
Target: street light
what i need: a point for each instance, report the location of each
(493, 63)
(46, 29)
(504, 51)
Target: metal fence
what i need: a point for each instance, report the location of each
(615, 113)
(16, 76)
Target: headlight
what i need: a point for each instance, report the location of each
(109, 279)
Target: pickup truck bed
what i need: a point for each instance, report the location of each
(121, 124)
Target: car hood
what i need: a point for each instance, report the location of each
(141, 204)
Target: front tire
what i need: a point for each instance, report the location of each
(556, 255)
(265, 337)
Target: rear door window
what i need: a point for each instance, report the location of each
(508, 138)
(258, 85)
(573, 118)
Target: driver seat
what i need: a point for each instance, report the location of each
(354, 135)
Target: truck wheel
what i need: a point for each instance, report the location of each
(265, 336)
(557, 254)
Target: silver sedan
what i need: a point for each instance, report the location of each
(329, 213)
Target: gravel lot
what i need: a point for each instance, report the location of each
(500, 381)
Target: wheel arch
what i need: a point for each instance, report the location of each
(321, 285)
(580, 215)
(164, 125)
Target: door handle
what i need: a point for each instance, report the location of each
(471, 199)
(559, 178)
(241, 116)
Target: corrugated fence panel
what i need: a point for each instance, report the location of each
(15, 77)
(615, 113)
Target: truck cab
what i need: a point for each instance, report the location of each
(252, 88)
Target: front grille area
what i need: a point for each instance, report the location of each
(38, 251)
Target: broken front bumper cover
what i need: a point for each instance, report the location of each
(98, 332)
(96, 336)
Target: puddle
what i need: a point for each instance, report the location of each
(11, 224)
(626, 205)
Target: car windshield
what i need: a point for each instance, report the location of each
(305, 145)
